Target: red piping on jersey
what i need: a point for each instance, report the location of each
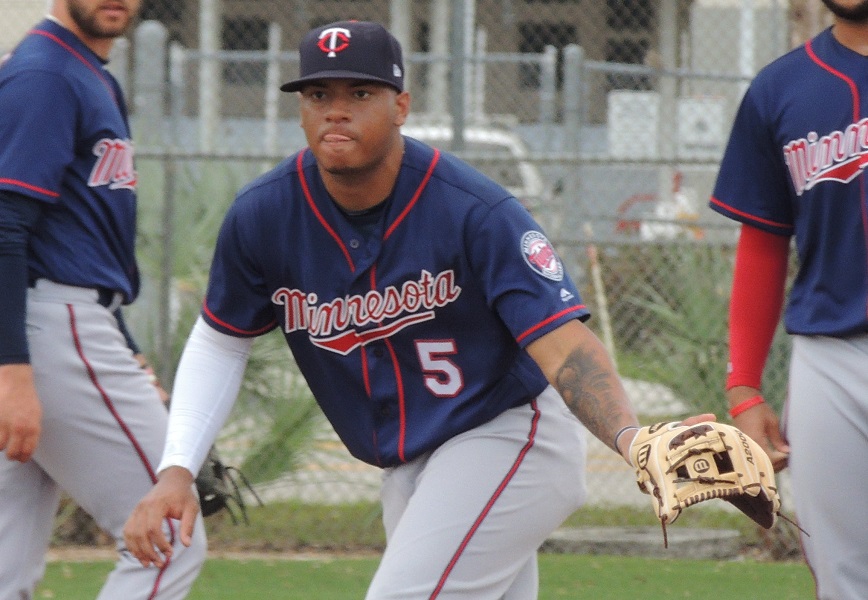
(749, 216)
(402, 404)
(309, 198)
(223, 323)
(854, 92)
(72, 51)
(531, 438)
(129, 434)
(365, 378)
(415, 197)
(549, 320)
(32, 188)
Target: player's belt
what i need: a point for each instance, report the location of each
(110, 299)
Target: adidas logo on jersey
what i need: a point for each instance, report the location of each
(566, 295)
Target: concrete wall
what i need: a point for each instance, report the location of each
(18, 17)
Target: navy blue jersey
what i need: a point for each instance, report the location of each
(409, 330)
(70, 148)
(793, 169)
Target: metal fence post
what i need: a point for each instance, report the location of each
(401, 26)
(548, 89)
(177, 96)
(119, 63)
(437, 89)
(458, 76)
(150, 81)
(210, 14)
(150, 97)
(574, 58)
(477, 85)
(272, 88)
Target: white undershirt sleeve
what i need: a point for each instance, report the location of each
(206, 386)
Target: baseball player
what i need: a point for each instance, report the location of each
(432, 320)
(76, 410)
(794, 168)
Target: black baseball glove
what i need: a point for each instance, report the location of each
(218, 488)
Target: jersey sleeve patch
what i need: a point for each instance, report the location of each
(540, 256)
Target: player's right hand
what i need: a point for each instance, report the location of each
(20, 412)
(762, 425)
(171, 497)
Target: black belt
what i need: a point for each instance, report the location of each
(104, 296)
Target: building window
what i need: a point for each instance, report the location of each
(243, 33)
(165, 11)
(631, 23)
(629, 15)
(423, 44)
(627, 51)
(533, 38)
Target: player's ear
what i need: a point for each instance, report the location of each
(402, 107)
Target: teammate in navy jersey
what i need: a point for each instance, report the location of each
(77, 413)
(432, 320)
(794, 168)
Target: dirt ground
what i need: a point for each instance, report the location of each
(107, 553)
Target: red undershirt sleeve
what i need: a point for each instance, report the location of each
(755, 306)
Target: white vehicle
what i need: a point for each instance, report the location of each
(499, 153)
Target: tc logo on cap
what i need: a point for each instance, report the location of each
(360, 50)
(334, 40)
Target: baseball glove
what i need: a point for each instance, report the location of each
(218, 488)
(680, 466)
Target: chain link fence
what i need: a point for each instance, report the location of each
(606, 117)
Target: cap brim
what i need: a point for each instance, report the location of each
(296, 84)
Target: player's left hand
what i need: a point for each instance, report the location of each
(171, 497)
(682, 464)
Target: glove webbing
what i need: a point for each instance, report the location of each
(708, 496)
(236, 493)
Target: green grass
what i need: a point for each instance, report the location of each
(296, 526)
(629, 578)
(293, 528)
(562, 576)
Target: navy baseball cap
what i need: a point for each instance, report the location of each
(349, 50)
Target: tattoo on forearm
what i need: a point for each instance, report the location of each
(591, 389)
